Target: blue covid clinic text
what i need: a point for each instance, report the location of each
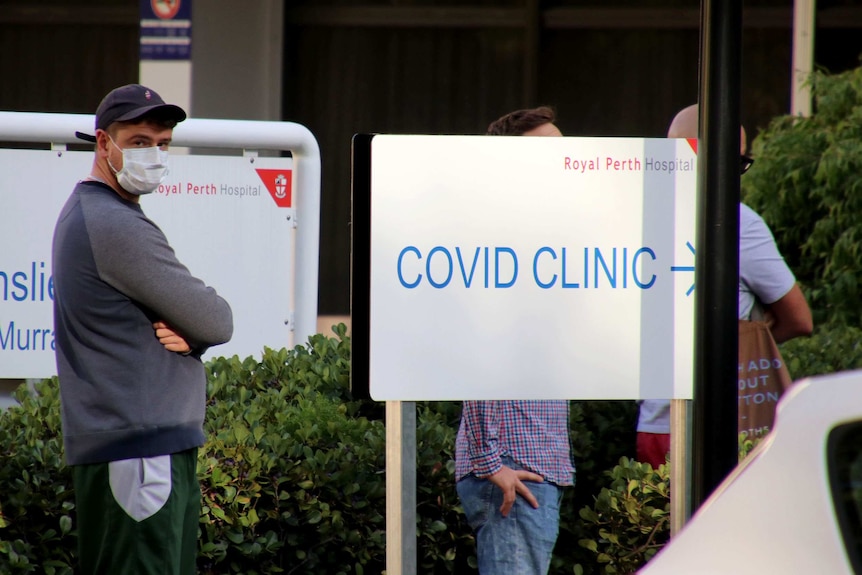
(499, 267)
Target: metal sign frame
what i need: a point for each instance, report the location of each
(250, 136)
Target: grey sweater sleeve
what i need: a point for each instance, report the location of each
(133, 255)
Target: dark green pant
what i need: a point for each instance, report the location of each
(138, 516)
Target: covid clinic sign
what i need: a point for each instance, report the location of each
(230, 220)
(530, 268)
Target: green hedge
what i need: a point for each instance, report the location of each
(630, 519)
(293, 479)
(831, 348)
(806, 182)
(36, 500)
(292, 473)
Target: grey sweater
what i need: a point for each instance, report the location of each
(123, 395)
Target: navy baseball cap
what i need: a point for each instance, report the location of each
(131, 102)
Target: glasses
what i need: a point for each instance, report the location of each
(745, 162)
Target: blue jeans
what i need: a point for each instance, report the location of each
(522, 542)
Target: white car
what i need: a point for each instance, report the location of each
(795, 504)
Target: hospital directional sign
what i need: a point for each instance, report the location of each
(524, 268)
(229, 219)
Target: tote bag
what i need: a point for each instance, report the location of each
(763, 378)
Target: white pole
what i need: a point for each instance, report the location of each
(400, 488)
(804, 13)
(680, 464)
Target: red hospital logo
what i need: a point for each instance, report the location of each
(165, 9)
(278, 182)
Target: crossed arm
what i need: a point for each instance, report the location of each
(171, 339)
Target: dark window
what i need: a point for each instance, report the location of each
(845, 477)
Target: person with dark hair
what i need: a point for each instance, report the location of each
(131, 324)
(530, 122)
(512, 458)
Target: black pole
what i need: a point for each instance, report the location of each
(714, 449)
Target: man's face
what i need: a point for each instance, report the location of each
(548, 129)
(129, 136)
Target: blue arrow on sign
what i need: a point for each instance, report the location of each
(686, 268)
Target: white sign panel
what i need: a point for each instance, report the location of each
(531, 268)
(229, 219)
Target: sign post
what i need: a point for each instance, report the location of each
(400, 488)
(714, 433)
(516, 268)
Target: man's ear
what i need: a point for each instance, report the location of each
(102, 143)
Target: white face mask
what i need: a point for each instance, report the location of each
(143, 169)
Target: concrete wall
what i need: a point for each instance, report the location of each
(237, 59)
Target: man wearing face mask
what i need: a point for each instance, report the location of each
(130, 325)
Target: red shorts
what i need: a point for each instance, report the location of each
(653, 448)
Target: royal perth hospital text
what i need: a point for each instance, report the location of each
(612, 164)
